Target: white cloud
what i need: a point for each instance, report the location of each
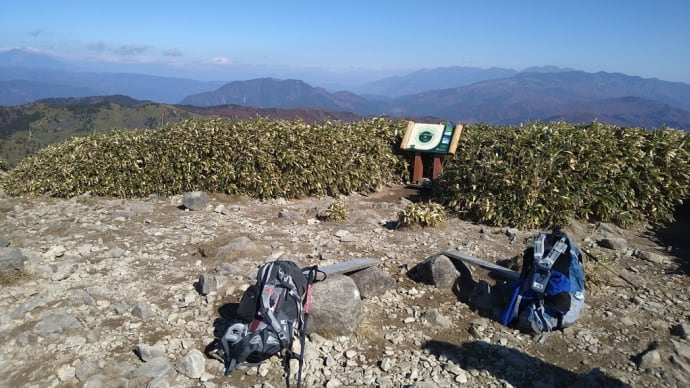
(221, 61)
(96, 46)
(131, 49)
(173, 52)
(35, 33)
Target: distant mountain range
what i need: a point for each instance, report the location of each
(27, 77)
(456, 94)
(431, 79)
(527, 96)
(273, 93)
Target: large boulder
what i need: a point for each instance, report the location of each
(438, 270)
(196, 200)
(11, 260)
(372, 282)
(192, 365)
(336, 307)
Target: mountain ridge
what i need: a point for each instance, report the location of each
(455, 93)
(527, 96)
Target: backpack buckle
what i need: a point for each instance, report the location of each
(540, 279)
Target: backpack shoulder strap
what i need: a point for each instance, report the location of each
(541, 268)
(560, 247)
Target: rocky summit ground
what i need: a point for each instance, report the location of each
(106, 277)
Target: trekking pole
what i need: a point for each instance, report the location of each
(302, 338)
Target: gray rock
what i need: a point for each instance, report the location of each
(157, 369)
(437, 319)
(103, 381)
(196, 200)
(4, 242)
(372, 282)
(651, 257)
(425, 384)
(162, 381)
(648, 359)
(609, 228)
(616, 243)
(120, 215)
(209, 283)
(142, 309)
(336, 306)
(511, 233)
(28, 305)
(386, 364)
(229, 268)
(53, 252)
(58, 322)
(115, 253)
(241, 244)
(65, 373)
(192, 365)
(121, 308)
(682, 349)
(340, 233)
(681, 360)
(63, 270)
(11, 259)
(79, 297)
(141, 208)
(289, 215)
(147, 352)
(438, 270)
(85, 370)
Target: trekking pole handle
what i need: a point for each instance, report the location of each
(307, 304)
(310, 280)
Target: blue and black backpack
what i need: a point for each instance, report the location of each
(550, 293)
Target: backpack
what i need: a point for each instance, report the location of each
(550, 293)
(268, 314)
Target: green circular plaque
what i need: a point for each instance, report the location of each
(425, 136)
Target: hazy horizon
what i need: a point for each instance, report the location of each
(353, 41)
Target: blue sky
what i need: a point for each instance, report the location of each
(220, 39)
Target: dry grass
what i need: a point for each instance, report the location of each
(12, 278)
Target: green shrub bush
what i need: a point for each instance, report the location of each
(337, 211)
(260, 157)
(544, 175)
(538, 175)
(422, 214)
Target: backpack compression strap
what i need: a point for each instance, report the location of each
(558, 249)
(541, 270)
(255, 342)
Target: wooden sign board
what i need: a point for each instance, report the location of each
(348, 266)
(492, 267)
(431, 138)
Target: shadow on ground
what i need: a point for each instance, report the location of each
(515, 367)
(227, 314)
(675, 235)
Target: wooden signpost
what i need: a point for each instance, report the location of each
(491, 267)
(348, 266)
(436, 139)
